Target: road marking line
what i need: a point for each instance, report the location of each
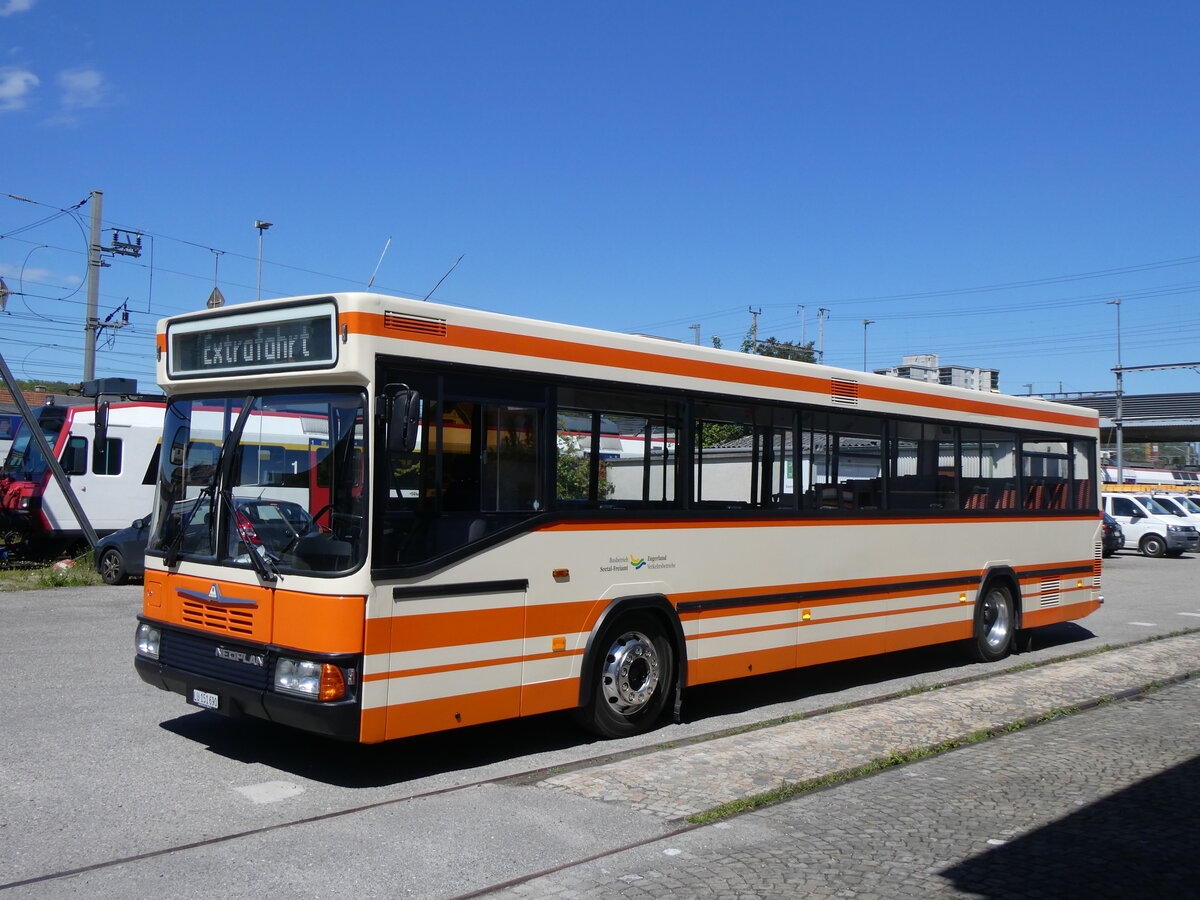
(270, 791)
(1197, 615)
(1144, 624)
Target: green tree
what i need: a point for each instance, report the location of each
(774, 348)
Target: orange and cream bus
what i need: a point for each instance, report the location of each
(447, 542)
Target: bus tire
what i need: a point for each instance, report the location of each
(634, 676)
(1152, 545)
(995, 623)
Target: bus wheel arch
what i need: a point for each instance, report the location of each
(634, 665)
(996, 624)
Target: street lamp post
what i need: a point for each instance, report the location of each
(261, 226)
(866, 322)
(1117, 425)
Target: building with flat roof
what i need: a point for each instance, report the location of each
(927, 367)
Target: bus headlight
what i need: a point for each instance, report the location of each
(148, 639)
(304, 678)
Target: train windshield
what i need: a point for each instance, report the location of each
(275, 482)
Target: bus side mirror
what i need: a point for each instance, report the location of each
(404, 414)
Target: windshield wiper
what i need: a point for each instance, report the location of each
(172, 555)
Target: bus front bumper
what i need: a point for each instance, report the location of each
(337, 719)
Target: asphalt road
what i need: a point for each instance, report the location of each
(111, 788)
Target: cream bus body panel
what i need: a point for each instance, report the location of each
(801, 558)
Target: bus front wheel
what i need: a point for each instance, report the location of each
(995, 624)
(633, 679)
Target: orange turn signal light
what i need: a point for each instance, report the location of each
(333, 683)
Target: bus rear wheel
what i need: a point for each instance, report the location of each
(634, 676)
(995, 624)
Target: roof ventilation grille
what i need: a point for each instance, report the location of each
(844, 391)
(415, 324)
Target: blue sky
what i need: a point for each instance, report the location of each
(977, 179)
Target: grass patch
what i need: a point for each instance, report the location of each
(80, 574)
(788, 790)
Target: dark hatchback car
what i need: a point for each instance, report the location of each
(1114, 537)
(121, 555)
(275, 524)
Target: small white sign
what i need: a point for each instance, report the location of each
(205, 699)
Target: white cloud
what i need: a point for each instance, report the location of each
(8, 7)
(15, 86)
(82, 89)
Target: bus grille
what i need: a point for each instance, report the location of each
(217, 618)
(200, 656)
(1097, 566)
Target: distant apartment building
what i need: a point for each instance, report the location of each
(926, 367)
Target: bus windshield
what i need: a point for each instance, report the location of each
(280, 476)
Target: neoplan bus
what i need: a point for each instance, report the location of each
(469, 553)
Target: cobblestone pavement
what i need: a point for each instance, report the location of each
(690, 779)
(1104, 803)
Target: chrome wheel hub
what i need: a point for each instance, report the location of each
(997, 619)
(630, 673)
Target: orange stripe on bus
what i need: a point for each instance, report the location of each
(924, 635)
(444, 713)
(452, 629)
(471, 338)
(1065, 613)
(470, 664)
(809, 623)
(739, 665)
(548, 696)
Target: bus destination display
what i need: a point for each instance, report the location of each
(250, 342)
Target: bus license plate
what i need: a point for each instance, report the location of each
(205, 699)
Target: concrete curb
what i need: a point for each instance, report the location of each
(684, 781)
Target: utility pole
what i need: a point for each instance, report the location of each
(822, 315)
(866, 322)
(696, 328)
(803, 310)
(754, 328)
(124, 243)
(261, 226)
(91, 321)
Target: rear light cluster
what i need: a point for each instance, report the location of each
(245, 530)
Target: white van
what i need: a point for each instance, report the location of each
(1149, 526)
(1186, 507)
